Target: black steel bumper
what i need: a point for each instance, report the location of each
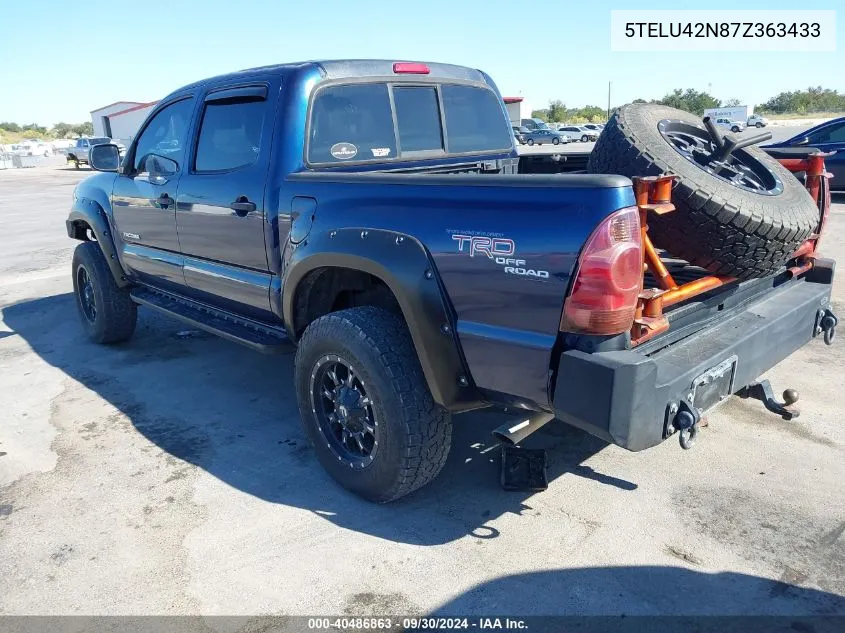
(628, 398)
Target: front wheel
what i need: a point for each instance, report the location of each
(556, 141)
(530, 141)
(107, 313)
(735, 129)
(758, 124)
(365, 404)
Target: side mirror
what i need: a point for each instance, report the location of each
(104, 157)
(803, 141)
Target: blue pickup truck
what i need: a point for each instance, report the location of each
(376, 215)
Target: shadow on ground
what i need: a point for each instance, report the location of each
(232, 412)
(647, 590)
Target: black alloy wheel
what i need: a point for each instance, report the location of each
(344, 411)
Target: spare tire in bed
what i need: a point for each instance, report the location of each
(742, 217)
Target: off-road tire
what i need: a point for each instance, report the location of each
(716, 225)
(116, 313)
(414, 433)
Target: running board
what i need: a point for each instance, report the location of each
(265, 339)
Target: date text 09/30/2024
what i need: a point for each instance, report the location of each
(416, 624)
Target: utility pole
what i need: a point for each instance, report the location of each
(608, 100)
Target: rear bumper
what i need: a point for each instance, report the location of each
(624, 397)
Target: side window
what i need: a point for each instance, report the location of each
(165, 134)
(830, 134)
(418, 119)
(230, 134)
(352, 122)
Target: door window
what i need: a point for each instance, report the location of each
(230, 135)
(165, 134)
(830, 134)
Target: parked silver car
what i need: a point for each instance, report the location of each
(539, 137)
(579, 133)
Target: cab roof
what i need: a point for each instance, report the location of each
(340, 68)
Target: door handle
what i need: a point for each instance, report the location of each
(242, 206)
(164, 201)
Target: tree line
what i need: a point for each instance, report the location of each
(809, 101)
(59, 130)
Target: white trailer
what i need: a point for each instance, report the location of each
(734, 113)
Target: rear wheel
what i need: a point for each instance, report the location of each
(107, 313)
(758, 124)
(735, 129)
(584, 139)
(366, 406)
(531, 141)
(742, 216)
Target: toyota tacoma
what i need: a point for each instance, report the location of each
(377, 216)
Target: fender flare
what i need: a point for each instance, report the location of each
(403, 264)
(91, 213)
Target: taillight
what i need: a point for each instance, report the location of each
(410, 68)
(608, 278)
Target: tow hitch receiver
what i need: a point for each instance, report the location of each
(762, 391)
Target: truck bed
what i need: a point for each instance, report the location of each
(690, 316)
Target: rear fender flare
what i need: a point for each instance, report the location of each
(403, 264)
(90, 212)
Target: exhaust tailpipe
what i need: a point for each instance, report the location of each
(514, 432)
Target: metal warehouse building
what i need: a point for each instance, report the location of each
(517, 108)
(120, 120)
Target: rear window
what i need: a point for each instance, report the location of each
(474, 119)
(356, 122)
(351, 123)
(418, 119)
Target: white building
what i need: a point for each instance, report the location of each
(517, 108)
(120, 121)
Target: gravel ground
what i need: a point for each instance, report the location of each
(169, 475)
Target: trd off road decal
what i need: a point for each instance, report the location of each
(344, 151)
(497, 247)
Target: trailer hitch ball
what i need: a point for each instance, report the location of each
(790, 397)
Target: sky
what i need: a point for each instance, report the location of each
(59, 60)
